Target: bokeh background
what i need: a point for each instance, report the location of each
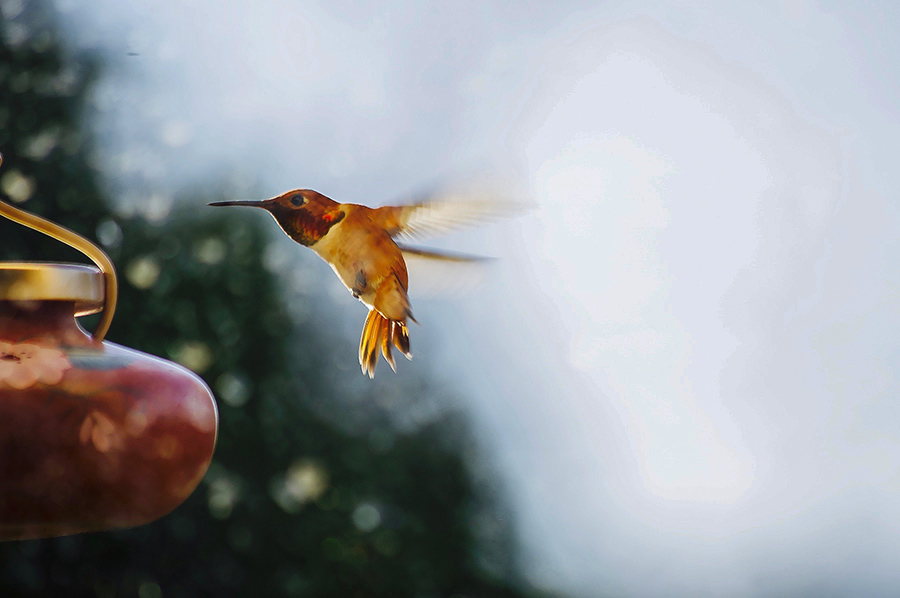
(677, 380)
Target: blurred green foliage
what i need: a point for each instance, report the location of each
(296, 502)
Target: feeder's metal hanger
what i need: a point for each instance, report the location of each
(66, 276)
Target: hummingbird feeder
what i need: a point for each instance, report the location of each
(93, 435)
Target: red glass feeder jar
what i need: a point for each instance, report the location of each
(93, 435)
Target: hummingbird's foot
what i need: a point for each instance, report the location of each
(360, 284)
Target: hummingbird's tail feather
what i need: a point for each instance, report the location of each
(378, 334)
(386, 339)
(366, 344)
(401, 338)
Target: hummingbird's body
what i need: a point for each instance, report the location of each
(367, 260)
(371, 265)
(359, 244)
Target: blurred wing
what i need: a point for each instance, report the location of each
(436, 273)
(441, 214)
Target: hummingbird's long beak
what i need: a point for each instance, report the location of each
(253, 203)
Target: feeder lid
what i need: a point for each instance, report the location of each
(39, 281)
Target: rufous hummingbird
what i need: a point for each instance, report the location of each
(359, 243)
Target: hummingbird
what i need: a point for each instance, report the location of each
(361, 244)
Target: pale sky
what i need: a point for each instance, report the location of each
(684, 363)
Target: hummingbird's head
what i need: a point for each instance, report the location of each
(305, 215)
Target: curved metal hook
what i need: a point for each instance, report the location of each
(72, 239)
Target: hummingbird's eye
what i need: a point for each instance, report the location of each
(298, 200)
